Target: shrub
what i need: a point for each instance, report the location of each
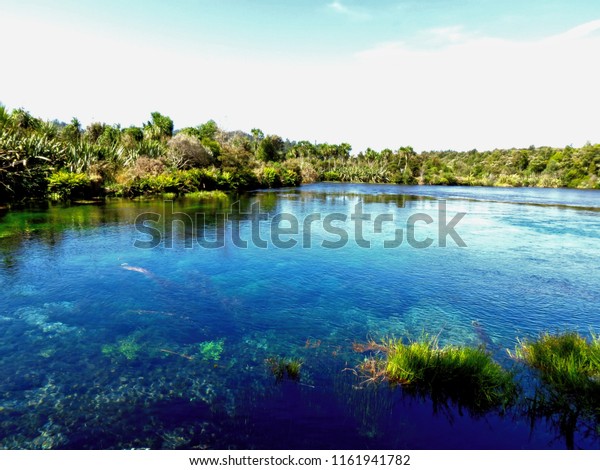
(145, 166)
(290, 178)
(186, 151)
(331, 176)
(65, 185)
(268, 177)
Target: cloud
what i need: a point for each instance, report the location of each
(487, 92)
(342, 9)
(578, 32)
(470, 92)
(446, 35)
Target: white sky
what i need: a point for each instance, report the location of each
(457, 89)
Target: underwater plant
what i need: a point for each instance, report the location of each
(284, 367)
(211, 350)
(128, 347)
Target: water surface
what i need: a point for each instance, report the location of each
(105, 345)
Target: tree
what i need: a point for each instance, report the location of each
(93, 131)
(159, 128)
(72, 131)
(270, 149)
(405, 154)
(258, 136)
(302, 149)
(206, 133)
(133, 134)
(24, 120)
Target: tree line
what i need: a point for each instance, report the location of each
(42, 159)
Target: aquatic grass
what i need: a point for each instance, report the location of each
(284, 367)
(568, 396)
(211, 350)
(465, 375)
(568, 363)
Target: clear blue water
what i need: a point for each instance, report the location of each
(105, 345)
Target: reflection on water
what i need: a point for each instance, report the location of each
(104, 345)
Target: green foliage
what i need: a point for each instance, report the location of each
(568, 364)
(236, 180)
(159, 127)
(211, 350)
(290, 178)
(568, 397)
(282, 367)
(127, 347)
(205, 158)
(467, 376)
(72, 132)
(25, 162)
(270, 149)
(65, 185)
(331, 176)
(268, 177)
(208, 195)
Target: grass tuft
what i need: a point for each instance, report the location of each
(568, 363)
(467, 376)
(283, 367)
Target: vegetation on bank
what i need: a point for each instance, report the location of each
(42, 159)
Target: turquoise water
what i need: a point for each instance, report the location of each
(107, 345)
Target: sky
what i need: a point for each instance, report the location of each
(432, 74)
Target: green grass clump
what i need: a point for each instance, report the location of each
(208, 195)
(568, 363)
(465, 375)
(283, 367)
(211, 350)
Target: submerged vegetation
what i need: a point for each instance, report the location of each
(282, 368)
(128, 347)
(211, 350)
(466, 376)
(42, 159)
